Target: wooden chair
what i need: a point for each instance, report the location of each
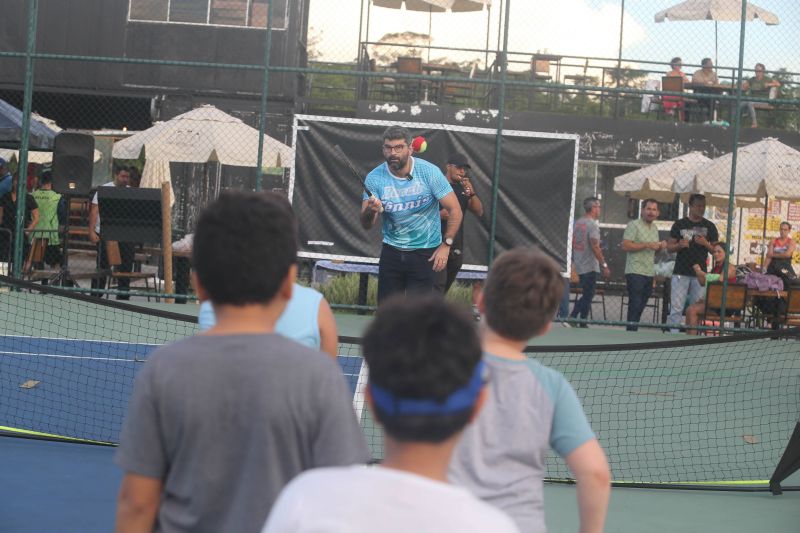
(792, 316)
(458, 92)
(34, 268)
(540, 69)
(115, 261)
(411, 90)
(735, 303)
(540, 72)
(671, 104)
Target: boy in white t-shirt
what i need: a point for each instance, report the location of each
(426, 384)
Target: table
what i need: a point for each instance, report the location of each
(442, 70)
(774, 294)
(365, 270)
(699, 88)
(181, 269)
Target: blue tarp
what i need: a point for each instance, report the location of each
(41, 136)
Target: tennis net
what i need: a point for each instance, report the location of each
(711, 411)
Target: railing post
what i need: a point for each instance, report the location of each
(262, 122)
(22, 170)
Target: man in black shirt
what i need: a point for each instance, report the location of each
(692, 237)
(456, 173)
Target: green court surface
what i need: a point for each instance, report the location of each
(667, 408)
(666, 510)
(353, 325)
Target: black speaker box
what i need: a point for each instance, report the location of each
(130, 214)
(73, 161)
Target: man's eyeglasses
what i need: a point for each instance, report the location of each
(396, 149)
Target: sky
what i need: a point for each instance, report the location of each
(569, 27)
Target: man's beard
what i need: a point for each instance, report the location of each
(396, 162)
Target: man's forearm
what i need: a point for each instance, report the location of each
(630, 246)
(453, 223)
(598, 253)
(368, 219)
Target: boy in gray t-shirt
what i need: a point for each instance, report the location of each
(220, 422)
(531, 408)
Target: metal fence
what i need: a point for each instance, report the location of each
(209, 95)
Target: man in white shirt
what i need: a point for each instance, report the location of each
(426, 384)
(126, 249)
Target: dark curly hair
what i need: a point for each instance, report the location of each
(421, 348)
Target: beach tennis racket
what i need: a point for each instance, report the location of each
(356, 173)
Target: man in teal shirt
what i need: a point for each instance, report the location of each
(407, 194)
(640, 241)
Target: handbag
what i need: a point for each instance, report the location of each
(763, 282)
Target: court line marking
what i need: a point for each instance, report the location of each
(358, 396)
(82, 340)
(59, 356)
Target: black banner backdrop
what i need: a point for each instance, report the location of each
(536, 187)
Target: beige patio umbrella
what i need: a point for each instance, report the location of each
(434, 6)
(202, 135)
(661, 181)
(765, 168)
(155, 173)
(657, 180)
(716, 10)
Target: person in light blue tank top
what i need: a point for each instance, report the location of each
(307, 319)
(406, 192)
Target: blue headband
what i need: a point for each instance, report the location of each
(459, 400)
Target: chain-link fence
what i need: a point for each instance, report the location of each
(550, 103)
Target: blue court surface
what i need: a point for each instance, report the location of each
(79, 388)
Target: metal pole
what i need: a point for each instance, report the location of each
(736, 131)
(430, 40)
(360, 21)
(369, 11)
(498, 141)
(22, 170)
(500, 21)
(488, 30)
(619, 56)
(262, 123)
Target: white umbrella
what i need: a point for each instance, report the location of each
(154, 173)
(433, 6)
(662, 181)
(201, 135)
(716, 10)
(657, 181)
(765, 168)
